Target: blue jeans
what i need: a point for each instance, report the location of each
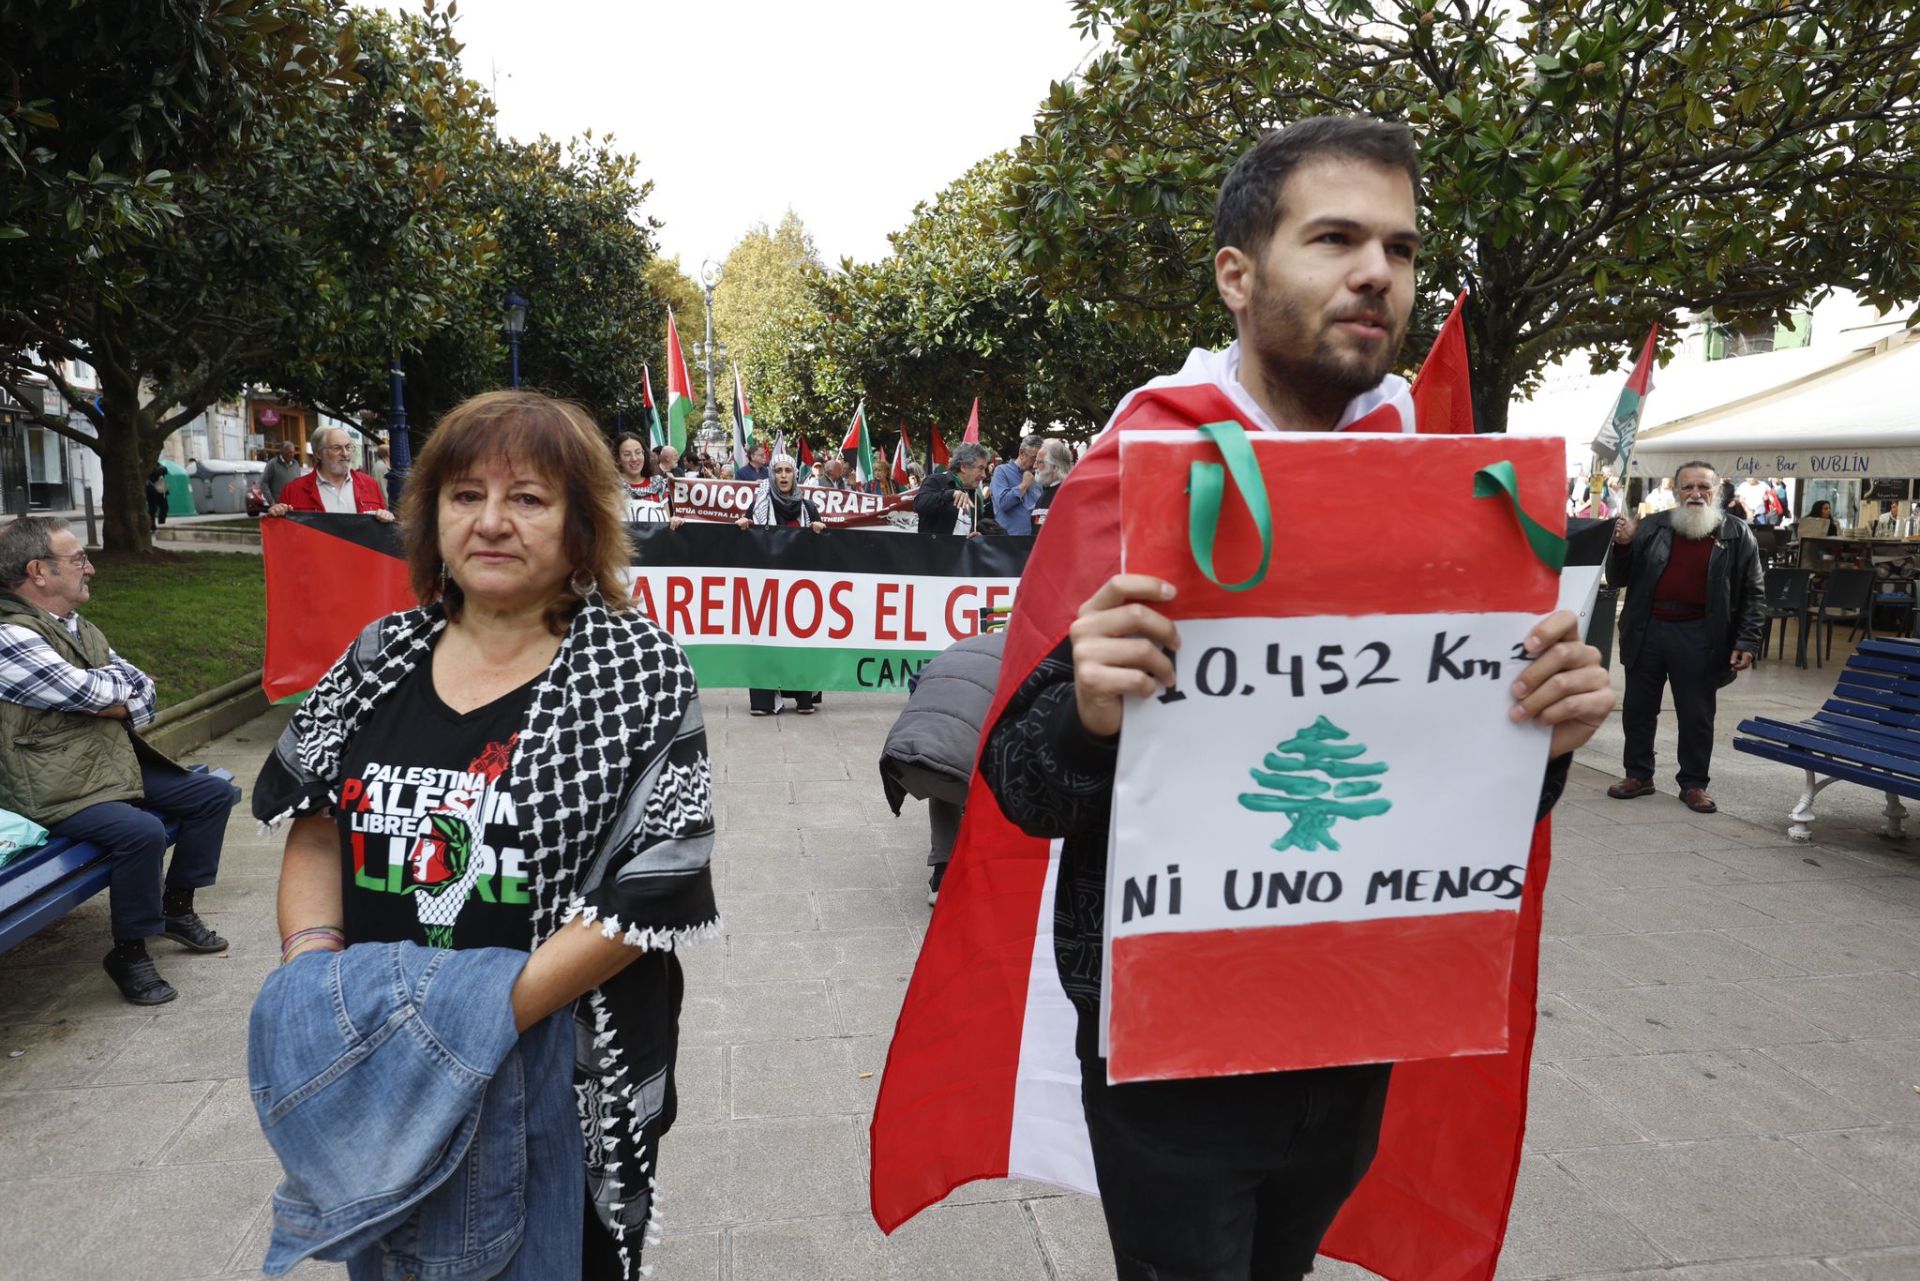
(136, 837)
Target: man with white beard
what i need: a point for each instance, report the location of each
(1695, 595)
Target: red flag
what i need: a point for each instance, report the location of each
(1443, 389)
(973, 424)
(310, 563)
(981, 1079)
(806, 453)
(901, 457)
(937, 448)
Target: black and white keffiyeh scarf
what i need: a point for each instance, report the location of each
(771, 507)
(612, 782)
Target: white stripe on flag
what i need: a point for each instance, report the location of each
(1049, 1140)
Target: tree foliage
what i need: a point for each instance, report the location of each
(100, 108)
(318, 231)
(558, 223)
(951, 314)
(1590, 168)
(768, 293)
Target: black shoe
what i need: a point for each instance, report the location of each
(190, 932)
(138, 980)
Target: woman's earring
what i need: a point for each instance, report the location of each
(582, 581)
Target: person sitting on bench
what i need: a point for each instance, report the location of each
(70, 758)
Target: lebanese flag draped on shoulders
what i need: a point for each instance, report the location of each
(981, 1079)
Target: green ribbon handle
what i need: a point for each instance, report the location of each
(1206, 486)
(1496, 480)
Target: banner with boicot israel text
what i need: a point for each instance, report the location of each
(767, 608)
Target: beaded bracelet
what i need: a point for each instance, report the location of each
(292, 941)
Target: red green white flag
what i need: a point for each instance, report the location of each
(937, 453)
(1615, 441)
(656, 434)
(679, 389)
(859, 443)
(901, 457)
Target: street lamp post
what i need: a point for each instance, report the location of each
(708, 352)
(399, 444)
(516, 309)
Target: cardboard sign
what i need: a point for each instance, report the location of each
(1320, 833)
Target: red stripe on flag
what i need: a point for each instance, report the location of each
(321, 590)
(1225, 1001)
(1451, 542)
(927, 1131)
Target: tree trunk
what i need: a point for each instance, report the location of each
(124, 464)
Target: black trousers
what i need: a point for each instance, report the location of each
(136, 838)
(768, 700)
(1675, 654)
(1232, 1179)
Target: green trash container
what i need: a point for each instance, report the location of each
(179, 490)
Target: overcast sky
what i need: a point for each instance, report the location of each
(850, 111)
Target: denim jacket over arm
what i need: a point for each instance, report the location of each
(421, 1137)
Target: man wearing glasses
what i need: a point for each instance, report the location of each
(334, 486)
(71, 761)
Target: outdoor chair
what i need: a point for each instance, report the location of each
(1894, 592)
(1848, 599)
(1789, 592)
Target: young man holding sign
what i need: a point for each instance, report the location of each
(1241, 1176)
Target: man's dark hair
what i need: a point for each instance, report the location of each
(1249, 207)
(1695, 464)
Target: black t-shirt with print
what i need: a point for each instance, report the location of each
(433, 849)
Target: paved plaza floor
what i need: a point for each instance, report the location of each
(1724, 1090)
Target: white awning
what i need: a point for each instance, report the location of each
(1859, 416)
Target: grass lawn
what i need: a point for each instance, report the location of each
(191, 620)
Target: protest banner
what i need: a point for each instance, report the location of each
(1302, 874)
(843, 610)
(772, 608)
(697, 499)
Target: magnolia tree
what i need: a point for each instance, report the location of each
(1590, 168)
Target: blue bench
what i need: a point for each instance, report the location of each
(44, 884)
(1868, 733)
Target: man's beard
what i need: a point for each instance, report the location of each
(1306, 353)
(1697, 522)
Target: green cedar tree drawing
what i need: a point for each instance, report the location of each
(1347, 790)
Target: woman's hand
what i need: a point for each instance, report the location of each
(819, 527)
(676, 521)
(744, 523)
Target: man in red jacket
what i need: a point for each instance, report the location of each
(333, 486)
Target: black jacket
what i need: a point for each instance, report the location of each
(1053, 779)
(1736, 587)
(934, 504)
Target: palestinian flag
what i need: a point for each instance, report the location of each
(1615, 442)
(981, 1079)
(679, 389)
(339, 560)
(656, 434)
(901, 457)
(742, 422)
(806, 454)
(973, 424)
(937, 453)
(1443, 389)
(858, 446)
